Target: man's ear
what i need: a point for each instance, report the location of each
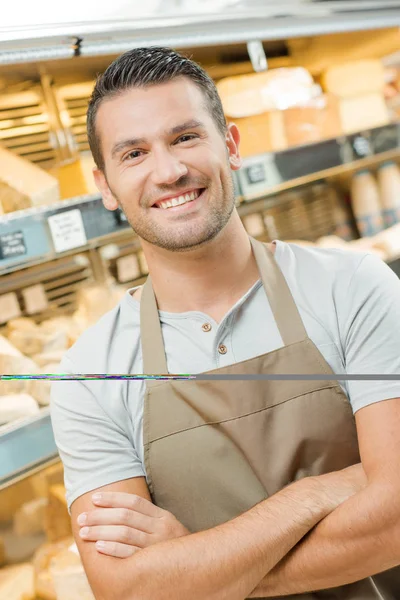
(109, 201)
(232, 143)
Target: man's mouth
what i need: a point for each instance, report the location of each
(179, 200)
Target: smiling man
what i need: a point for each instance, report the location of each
(225, 489)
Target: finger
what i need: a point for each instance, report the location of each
(114, 533)
(123, 500)
(115, 549)
(117, 516)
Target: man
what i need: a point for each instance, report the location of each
(252, 492)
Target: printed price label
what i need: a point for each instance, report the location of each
(361, 146)
(12, 245)
(256, 173)
(67, 230)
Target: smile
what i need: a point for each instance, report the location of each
(178, 200)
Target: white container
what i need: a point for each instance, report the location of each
(389, 190)
(366, 204)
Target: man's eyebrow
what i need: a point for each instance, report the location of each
(192, 124)
(126, 144)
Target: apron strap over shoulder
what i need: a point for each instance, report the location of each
(154, 359)
(282, 304)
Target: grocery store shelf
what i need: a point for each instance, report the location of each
(48, 232)
(268, 174)
(25, 448)
(243, 22)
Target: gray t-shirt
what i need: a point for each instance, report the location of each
(350, 306)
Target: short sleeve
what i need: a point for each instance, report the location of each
(94, 449)
(371, 332)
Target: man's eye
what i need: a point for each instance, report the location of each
(132, 155)
(187, 137)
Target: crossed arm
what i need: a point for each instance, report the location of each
(317, 533)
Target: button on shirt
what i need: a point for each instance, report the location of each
(350, 306)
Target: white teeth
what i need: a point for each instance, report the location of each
(179, 200)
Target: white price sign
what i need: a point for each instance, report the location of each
(67, 230)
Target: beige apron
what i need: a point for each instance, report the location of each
(213, 449)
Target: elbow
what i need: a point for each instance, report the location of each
(132, 585)
(127, 586)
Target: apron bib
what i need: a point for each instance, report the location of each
(214, 449)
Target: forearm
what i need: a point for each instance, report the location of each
(357, 540)
(228, 561)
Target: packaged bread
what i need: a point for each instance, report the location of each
(24, 184)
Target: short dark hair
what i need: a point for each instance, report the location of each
(142, 67)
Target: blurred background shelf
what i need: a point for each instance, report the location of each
(26, 448)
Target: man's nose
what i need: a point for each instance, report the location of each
(168, 169)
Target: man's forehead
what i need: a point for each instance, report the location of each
(152, 111)
(175, 94)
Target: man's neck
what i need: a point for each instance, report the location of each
(210, 279)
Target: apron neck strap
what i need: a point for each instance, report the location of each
(282, 304)
(154, 360)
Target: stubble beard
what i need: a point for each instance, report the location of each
(189, 236)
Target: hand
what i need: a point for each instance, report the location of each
(125, 523)
(341, 485)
